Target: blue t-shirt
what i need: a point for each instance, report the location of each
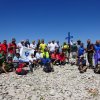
(45, 60)
(16, 59)
(80, 51)
(97, 52)
(97, 48)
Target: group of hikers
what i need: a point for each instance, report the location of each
(48, 55)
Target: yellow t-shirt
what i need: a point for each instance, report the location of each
(42, 47)
(65, 46)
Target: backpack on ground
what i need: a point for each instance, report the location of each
(20, 71)
(47, 68)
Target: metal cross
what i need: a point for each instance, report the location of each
(69, 37)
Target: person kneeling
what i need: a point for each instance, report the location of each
(32, 63)
(46, 61)
(82, 64)
(20, 71)
(7, 66)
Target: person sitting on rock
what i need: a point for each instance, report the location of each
(57, 61)
(53, 57)
(38, 57)
(32, 62)
(16, 60)
(7, 66)
(2, 60)
(46, 61)
(62, 58)
(20, 69)
(82, 64)
(45, 57)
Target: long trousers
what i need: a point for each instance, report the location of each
(90, 59)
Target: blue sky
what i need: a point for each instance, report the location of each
(49, 19)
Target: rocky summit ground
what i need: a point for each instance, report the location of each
(65, 83)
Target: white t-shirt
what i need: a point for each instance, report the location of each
(48, 45)
(52, 47)
(19, 45)
(56, 45)
(38, 55)
(33, 46)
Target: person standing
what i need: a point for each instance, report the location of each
(97, 53)
(78, 43)
(4, 47)
(38, 44)
(12, 48)
(80, 52)
(48, 45)
(90, 51)
(0, 47)
(57, 46)
(42, 46)
(27, 43)
(65, 48)
(20, 45)
(52, 46)
(33, 45)
(74, 50)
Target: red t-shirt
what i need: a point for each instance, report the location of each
(62, 57)
(18, 70)
(21, 65)
(53, 56)
(0, 48)
(58, 56)
(12, 48)
(4, 48)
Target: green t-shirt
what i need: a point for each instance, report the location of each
(45, 54)
(74, 48)
(9, 66)
(1, 59)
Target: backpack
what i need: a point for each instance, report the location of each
(47, 68)
(20, 71)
